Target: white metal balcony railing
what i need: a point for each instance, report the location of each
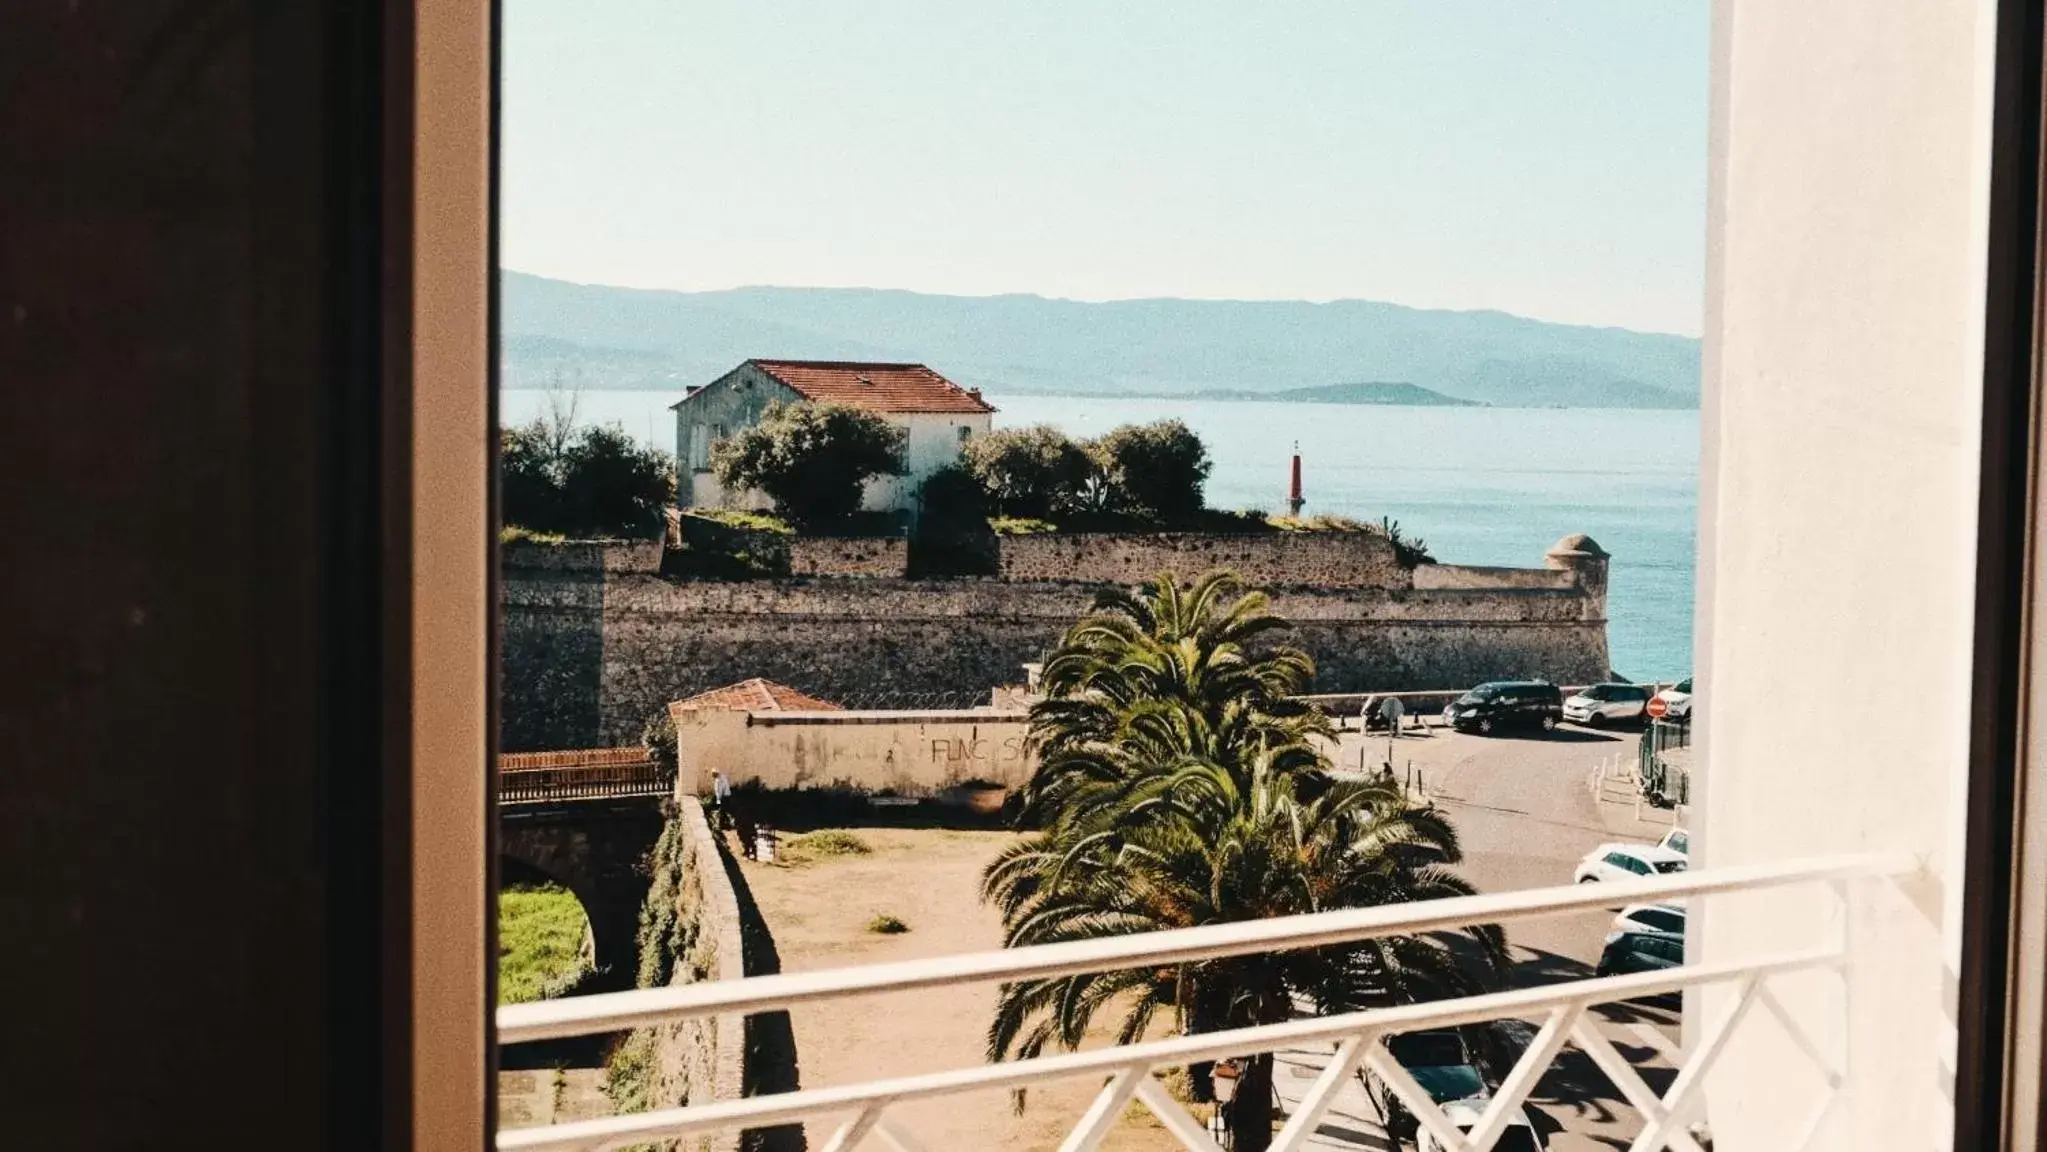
(1562, 1010)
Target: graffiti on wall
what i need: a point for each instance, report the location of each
(961, 750)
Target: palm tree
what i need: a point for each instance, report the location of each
(1169, 668)
(1180, 783)
(1212, 845)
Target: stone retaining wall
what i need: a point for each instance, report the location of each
(727, 1057)
(1474, 578)
(623, 556)
(799, 555)
(849, 556)
(589, 657)
(1277, 559)
(701, 1059)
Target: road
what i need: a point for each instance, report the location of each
(1525, 812)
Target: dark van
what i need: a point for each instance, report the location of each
(1505, 704)
(1627, 952)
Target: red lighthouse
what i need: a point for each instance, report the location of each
(1293, 495)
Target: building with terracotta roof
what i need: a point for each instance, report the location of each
(758, 695)
(938, 415)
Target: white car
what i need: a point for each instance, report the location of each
(1677, 840)
(1667, 918)
(1519, 1135)
(1677, 700)
(1598, 704)
(1628, 862)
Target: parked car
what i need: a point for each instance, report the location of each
(1677, 700)
(1440, 1062)
(1641, 952)
(1504, 704)
(1668, 918)
(1520, 1135)
(1627, 862)
(1677, 840)
(1598, 704)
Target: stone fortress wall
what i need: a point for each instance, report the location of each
(596, 643)
(1307, 559)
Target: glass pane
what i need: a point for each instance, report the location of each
(852, 364)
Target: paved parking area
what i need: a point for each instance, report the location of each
(1525, 811)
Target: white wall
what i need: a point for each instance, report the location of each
(933, 441)
(1837, 527)
(915, 753)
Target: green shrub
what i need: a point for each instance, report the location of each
(629, 1073)
(1411, 553)
(663, 937)
(515, 534)
(810, 459)
(657, 736)
(884, 924)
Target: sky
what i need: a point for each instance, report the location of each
(1540, 157)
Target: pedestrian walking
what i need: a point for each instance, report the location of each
(721, 798)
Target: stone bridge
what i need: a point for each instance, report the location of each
(586, 821)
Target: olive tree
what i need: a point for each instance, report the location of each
(1154, 470)
(1037, 472)
(810, 459)
(611, 486)
(590, 483)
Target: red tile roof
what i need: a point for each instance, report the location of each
(875, 387)
(758, 695)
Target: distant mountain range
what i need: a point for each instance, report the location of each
(605, 337)
(1359, 393)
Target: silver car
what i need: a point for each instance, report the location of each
(1596, 705)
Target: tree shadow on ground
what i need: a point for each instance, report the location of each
(1579, 736)
(809, 809)
(1573, 1086)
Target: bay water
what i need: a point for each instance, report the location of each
(1479, 485)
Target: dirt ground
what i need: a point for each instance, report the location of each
(930, 879)
(539, 1096)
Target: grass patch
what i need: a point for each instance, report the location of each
(1319, 524)
(884, 924)
(835, 842)
(1250, 521)
(1020, 526)
(516, 534)
(821, 845)
(746, 521)
(540, 943)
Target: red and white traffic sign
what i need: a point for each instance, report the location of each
(1658, 707)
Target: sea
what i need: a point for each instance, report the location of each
(1478, 485)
